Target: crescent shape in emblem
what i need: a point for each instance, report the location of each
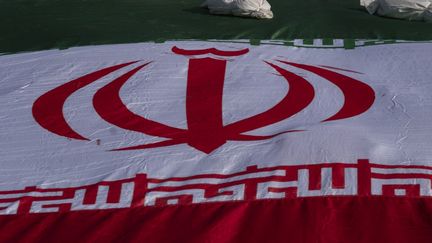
(109, 106)
(359, 97)
(298, 97)
(48, 109)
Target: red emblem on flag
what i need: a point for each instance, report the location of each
(206, 131)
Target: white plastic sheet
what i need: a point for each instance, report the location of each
(259, 9)
(419, 10)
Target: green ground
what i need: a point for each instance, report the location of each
(44, 24)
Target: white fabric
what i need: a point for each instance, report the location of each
(259, 9)
(396, 130)
(401, 9)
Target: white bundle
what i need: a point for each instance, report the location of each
(401, 9)
(259, 9)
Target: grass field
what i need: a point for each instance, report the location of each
(27, 25)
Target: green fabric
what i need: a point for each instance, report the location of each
(44, 24)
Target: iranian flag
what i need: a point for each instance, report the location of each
(218, 140)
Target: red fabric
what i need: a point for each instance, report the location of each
(332, 219)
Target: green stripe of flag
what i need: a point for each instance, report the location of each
(35, 25)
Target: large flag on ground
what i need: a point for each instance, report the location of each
(302, 140)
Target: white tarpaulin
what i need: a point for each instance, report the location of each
(401, 9)
(260, 9)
